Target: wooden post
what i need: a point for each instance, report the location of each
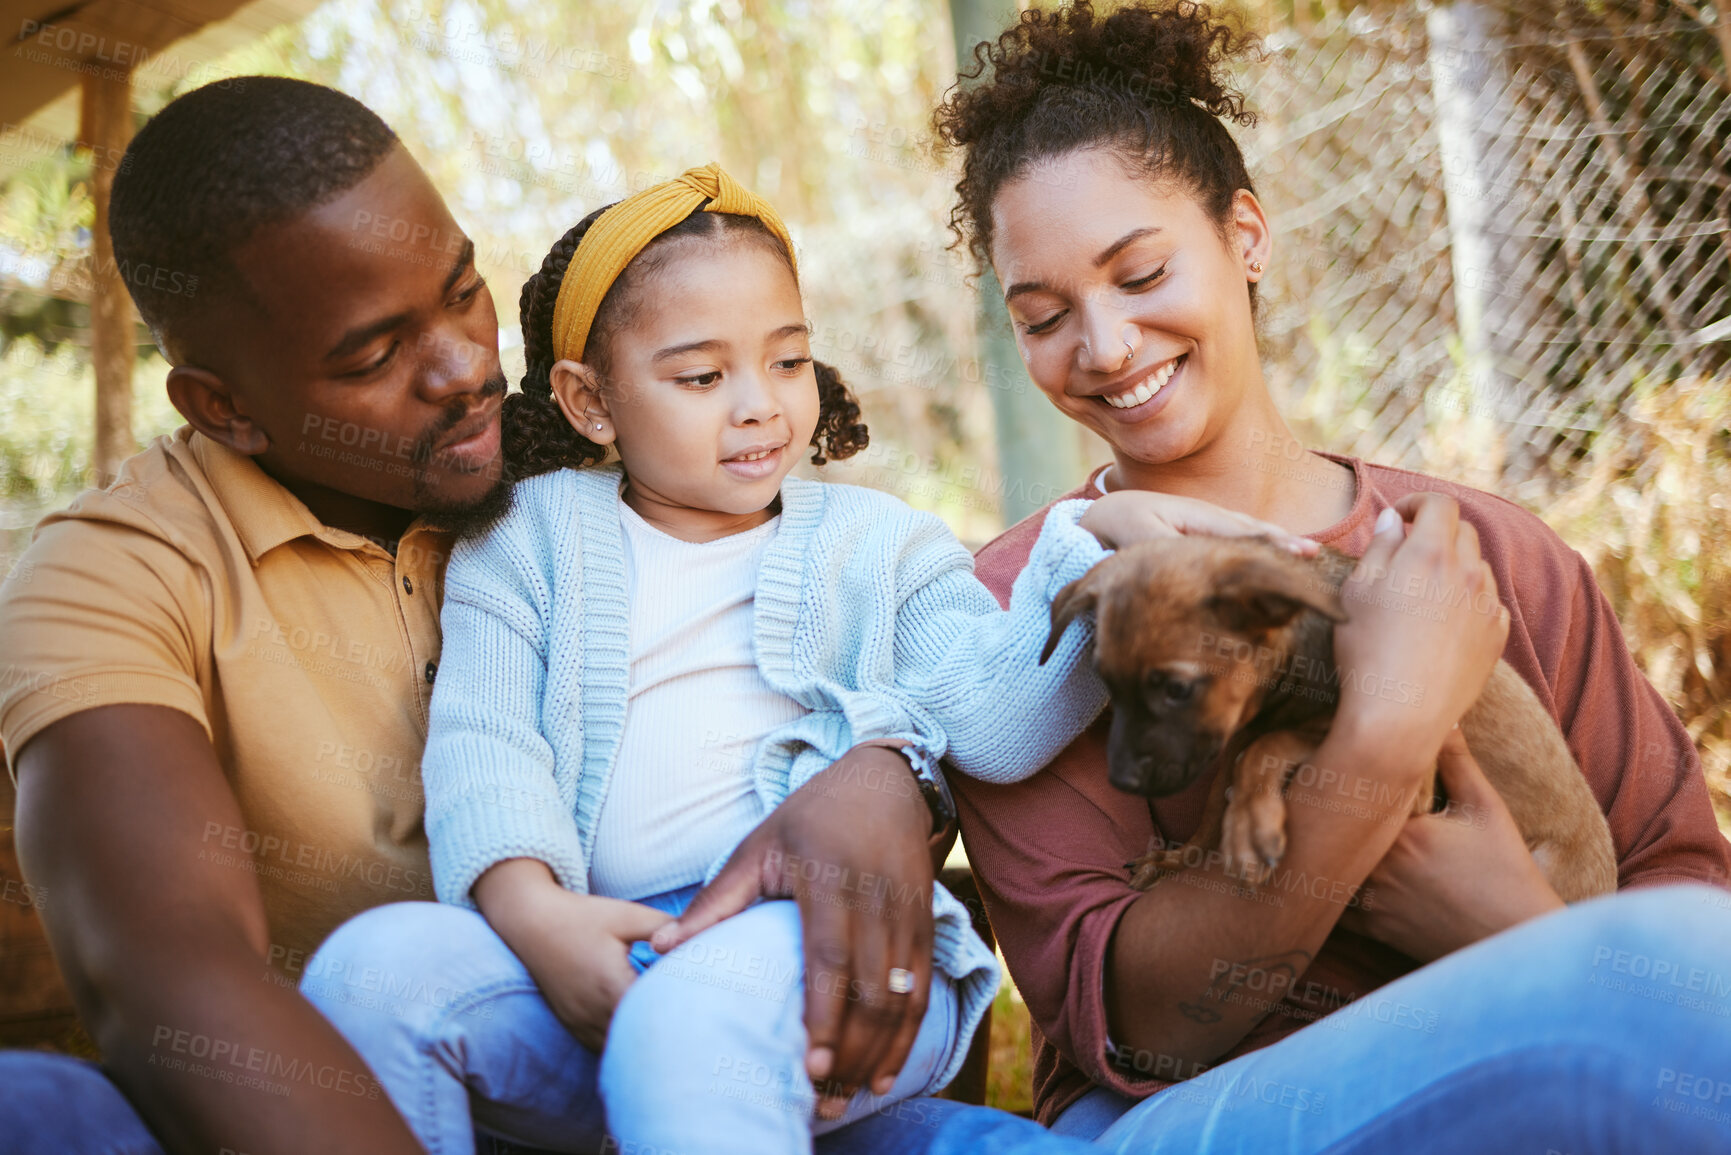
(105, 127)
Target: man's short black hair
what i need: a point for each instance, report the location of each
(215, 166)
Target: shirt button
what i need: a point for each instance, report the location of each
(408, 586)
(432, 669)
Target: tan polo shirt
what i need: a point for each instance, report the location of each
(197, 582)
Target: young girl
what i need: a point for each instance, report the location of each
(642, 659)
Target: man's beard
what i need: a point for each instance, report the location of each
(474, 517)
(471, 519)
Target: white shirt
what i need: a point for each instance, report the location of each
(682, 790)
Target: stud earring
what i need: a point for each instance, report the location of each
(1256, 267)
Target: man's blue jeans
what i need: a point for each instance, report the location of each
(705, 1054)
(1602, 1029)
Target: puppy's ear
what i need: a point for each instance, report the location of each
(1255, 593)
(1080, 596)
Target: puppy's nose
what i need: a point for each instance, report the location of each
(1133, 776)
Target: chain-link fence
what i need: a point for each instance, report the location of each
(1505, 257)
(1510, 215)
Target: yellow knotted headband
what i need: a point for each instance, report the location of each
(626, 229)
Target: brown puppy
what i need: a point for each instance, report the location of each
(1221, 651)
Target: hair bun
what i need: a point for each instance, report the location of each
(1165, 54)
(1148, 78)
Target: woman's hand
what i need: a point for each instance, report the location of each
(1424, 630)
(850, 847)
(1127, 516)
(576, 946)
(1454, 877)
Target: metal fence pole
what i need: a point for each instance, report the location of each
(1462, 73)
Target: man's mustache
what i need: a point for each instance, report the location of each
(457, 411)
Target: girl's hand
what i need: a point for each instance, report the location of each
(575, 945)
(1127, 516)
(1425, 630)
(579, 957)
(1454, 877)
(862, 818)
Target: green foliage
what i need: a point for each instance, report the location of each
(45, 208)
(47, 406)
(1010, 1068)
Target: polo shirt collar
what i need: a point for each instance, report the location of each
(263, 512)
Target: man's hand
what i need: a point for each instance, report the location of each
(1454, 877)
(850, 847)
(1128, 516)
(577, 946)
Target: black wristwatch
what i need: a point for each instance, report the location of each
(933, 788)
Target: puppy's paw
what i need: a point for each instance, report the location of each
(1267, 821)
(1241, 845)
(1145, 872)
(1156, 863)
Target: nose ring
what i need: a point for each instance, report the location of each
(1129, 355)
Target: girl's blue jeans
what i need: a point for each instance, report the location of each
(1602, 1029)
(705, 1054)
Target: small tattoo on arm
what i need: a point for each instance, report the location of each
(1198, 1013)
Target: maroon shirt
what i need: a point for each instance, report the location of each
(1049, 852)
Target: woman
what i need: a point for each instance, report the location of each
(1100, 183)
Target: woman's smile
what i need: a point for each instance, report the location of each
(1132, 403)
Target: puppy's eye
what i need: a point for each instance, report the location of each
(1165, 690)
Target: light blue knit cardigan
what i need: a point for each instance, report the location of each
(867, 613)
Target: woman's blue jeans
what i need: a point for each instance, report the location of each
(1602, 1029)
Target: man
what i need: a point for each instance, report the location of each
(217, 669)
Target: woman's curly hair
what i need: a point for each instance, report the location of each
(537, 437)
(1146, 81)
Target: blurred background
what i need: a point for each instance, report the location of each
(1503, 252)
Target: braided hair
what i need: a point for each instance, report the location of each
(537, 437)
